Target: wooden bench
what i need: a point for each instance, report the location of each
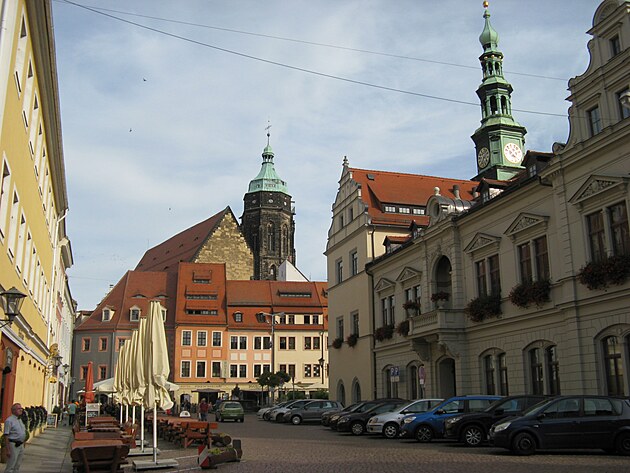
(195, 432)
(99, 458)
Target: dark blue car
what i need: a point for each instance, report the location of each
(429, 425)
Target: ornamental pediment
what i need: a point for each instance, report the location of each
(482, 240)
(596, 186)
(407, 273)
(383, 284)
(525, 221)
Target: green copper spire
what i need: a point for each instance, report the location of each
(500, 140)
(267, 179)
(489, 38)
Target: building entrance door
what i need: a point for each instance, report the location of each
(446, 376)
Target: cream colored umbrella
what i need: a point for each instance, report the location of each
(137, 374)
(156, 367)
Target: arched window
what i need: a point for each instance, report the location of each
(414, 392)
(271, 237)
(504, 389)
(272, 273)
(284, 249)
(613, 363)
(341, 393)
(493, 105)
(504, 107)
(356, 391)
(553, 370)
(489, 374)
(536, 371)
(543, 367)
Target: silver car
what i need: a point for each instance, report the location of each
(388, 423)
(311, 411)
(263, 412)
(277, 414)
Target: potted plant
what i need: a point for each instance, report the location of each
(403, 328)
(483, 307)
(337, 342)
(600, 274)
(531, 292)
(440, 298)
(352, 339)
(412, 308)
(383, 333)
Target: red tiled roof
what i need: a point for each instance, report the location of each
(382, 187)
(399, 240)
(181, 247)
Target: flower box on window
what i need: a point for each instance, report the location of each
(483, 307)
(440, 296)
(601, 274)
(531, 292)
(383, 333)
(352, 339)
(403, 328)
(337, 342)
(412, 308)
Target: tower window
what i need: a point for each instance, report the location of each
(615, 46)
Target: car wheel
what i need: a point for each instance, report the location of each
(266, 416)
(524, 444)
(473, 435)
(424, 434)
(357, 428)
(622, 444)
(296, 420)
(390, 431)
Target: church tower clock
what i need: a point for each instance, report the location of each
(500, 140)
(267, 221)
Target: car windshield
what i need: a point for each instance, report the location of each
(537, 407)
(351, 407)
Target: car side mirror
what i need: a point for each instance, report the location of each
(440, 412)
(499, 412)
(541, 416)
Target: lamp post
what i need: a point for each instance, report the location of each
(321, 360)
(11, 304)
(265, 317)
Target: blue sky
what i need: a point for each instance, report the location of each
(161, 132)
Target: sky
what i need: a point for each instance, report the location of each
(165, 107)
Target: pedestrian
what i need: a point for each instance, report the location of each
(72, 410)
(203, 410)
(14, 438)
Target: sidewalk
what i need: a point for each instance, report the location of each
(49, 452)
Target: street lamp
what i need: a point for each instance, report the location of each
(264, 317)
(321, 360)
(11, 304)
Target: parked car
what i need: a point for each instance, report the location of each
(359, 407)
(277, 414)
(356, 422)
(567, 422)
(230, 410)
(388, 423)
(472, 429)
(311, 411)
(263, 412)
(326, 416)
(425, 427)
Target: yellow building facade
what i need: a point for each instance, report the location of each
(34, 250)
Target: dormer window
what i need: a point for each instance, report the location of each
(404, 210)
(134, 314)
(531, 170)
(163, 314)
(107, 315)
(390, 208)
(238, 317)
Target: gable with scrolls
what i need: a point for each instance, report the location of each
(525, 221)
(383, 284)
(407, 273)
(482, 240)
(596, 186)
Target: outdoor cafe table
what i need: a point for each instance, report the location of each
(95, 443)
(103, 428)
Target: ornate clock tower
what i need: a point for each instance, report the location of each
(500, 140)
(267, 222)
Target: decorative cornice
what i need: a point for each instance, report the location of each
(482, 240)
(525, 221)
(407, 273)
(383, 284)
(596, 185)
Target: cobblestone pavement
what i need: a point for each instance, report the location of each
(269, 447)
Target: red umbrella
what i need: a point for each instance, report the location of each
(89, 384)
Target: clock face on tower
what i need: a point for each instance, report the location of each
(483, 158)
(513, 153)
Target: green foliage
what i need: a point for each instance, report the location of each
(531, 292)
(273, 380)
(320, 394)
(483, 307)
(292, 395)
(600, 274)
(384, 333)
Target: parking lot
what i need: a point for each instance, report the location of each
(270, 447)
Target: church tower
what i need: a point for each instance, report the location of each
(267, 220)
(500, 140)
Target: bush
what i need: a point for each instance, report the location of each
(337, 342)
(320, 394)
(531, 292)
(440, 296)
(483, 307)
(352, 339)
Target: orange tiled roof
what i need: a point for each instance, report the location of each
(181, 247)
(382, 187)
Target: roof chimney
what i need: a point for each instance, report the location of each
(436, 190)
(456, 191)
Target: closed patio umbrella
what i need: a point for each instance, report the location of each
(89, 384)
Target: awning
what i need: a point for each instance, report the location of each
(207, 390)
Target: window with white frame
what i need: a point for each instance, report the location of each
(543, 368)
(186, 338)
(494, 372)
(216, 369)
(134, 314)
(354, 263)
(238, 342)
(315, 319)
(202, 338)
(216, 339)
(594, 121)
(242, 371)
(339, 270)
(5, 184)
(201, 369)
(185, 369)
(340, 333)
(106, 315)
(488, 276)
(614, 353)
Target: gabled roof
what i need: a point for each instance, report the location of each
(182, 247)
(381, 187)
(135, 289)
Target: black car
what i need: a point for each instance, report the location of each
(472, 429)
(575, 422)
(356, 421)
(326, 416)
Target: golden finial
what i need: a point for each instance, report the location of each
(485, 4)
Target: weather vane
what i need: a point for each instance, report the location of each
(485, 4)
(268, 134)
